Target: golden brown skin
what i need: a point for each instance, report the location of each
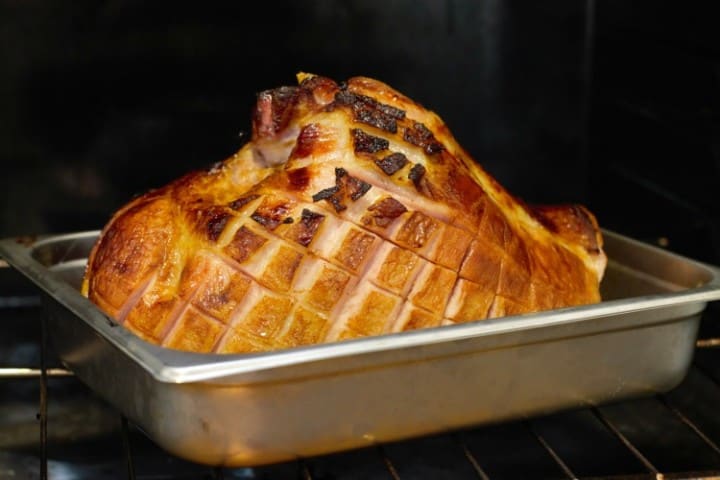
(352, 212)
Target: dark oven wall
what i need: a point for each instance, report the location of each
(104, 100)
(655, 123)
(611, 103)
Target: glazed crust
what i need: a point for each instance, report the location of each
(351, 212)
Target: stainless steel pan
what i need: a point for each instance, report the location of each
(260, 408)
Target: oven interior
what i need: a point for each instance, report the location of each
(614, 104)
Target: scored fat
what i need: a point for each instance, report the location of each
(351, 212)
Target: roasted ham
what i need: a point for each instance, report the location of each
(351, 212)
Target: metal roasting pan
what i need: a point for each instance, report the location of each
(240, 410)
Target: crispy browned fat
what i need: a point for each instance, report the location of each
(351, 212)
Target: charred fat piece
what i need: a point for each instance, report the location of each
(351, 212)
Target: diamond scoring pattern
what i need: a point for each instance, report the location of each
(377, 222)
(280, 283)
